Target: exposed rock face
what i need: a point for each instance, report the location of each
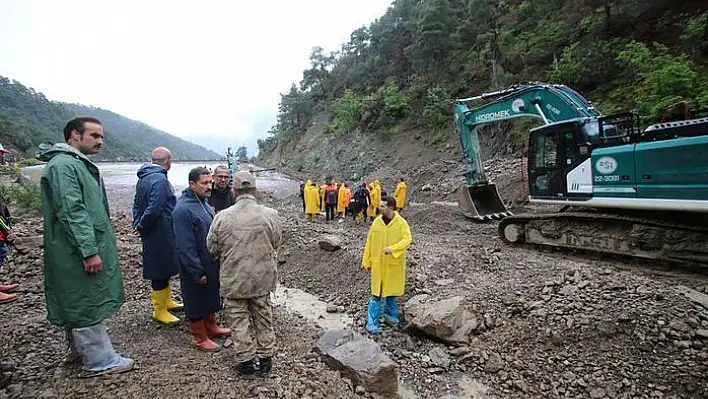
(359, 359)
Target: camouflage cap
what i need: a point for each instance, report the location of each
(243, 179)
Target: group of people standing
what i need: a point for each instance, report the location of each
(224, 253)
(387, 241)
(337, 200)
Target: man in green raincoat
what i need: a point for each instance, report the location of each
(83, 284)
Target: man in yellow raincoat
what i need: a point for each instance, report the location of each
(341, 199)
(385, 258)
(375, 190)
(347, 199)
(322, 190)
(400, 194)
(312, 200)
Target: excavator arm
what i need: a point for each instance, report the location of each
(549, 103)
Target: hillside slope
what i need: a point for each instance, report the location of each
(28, 118)
(138, 139)
(384, 100)
(430, 162)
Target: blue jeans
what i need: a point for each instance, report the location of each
(4, 253)
(95, 348)
(390, 312)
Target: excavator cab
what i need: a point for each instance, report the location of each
(558, 152)
(554, 151)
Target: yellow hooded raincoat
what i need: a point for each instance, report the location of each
(341, 198)
(312, 199)
(401, 194)
(388, 272)
(375, 193)
(322, 190)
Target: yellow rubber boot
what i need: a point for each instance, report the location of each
(171, 303)
(159, 304)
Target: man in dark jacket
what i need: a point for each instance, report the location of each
(360, 201)
(302, 196)
(221, 196)
(330, 198)
(198, 269)
(152, 220)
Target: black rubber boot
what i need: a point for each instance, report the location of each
(265, 365)
(246, 369)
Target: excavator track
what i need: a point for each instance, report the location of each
(678, 239)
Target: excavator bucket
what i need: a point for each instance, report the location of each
(481, 203)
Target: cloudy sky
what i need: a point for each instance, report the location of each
(212, 70)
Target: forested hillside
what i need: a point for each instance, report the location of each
(28, 118)
(402, 73)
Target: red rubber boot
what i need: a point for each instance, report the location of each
(4, 298)
(200, 339)
(8, 288)
(213, 329)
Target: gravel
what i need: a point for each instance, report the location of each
(556, 324)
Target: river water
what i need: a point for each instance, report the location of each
(125, 174)
(120, 179)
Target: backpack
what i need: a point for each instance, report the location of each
(331, 195)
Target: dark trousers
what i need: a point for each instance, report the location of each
(331, 209)
(356, 209)
(159, 285)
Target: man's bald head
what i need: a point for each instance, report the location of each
(162, 156)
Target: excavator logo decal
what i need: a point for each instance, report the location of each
(492, 116)
(606, 165)
(518, 105)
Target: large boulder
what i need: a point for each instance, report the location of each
(448, 319)
(359, 359)
(330, 242)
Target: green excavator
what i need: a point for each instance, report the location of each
(621, 189)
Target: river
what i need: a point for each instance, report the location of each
(120, 179)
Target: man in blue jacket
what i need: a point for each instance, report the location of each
(198, 268)
(152, 219)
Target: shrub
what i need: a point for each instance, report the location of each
(347, 111)
(26, 199)
(396, 102)
(28, 162)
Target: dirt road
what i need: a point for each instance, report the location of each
(554, 325)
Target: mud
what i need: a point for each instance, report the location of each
(555, 324)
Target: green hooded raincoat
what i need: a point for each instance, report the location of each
(77, 225)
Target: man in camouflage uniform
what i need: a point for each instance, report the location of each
(245, 237)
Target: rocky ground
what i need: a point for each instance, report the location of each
(547, 324)
(32, 350)
(542, 324)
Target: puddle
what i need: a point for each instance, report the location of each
(405, 391)
(314, 310)
(310, 307)
(470, 389)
